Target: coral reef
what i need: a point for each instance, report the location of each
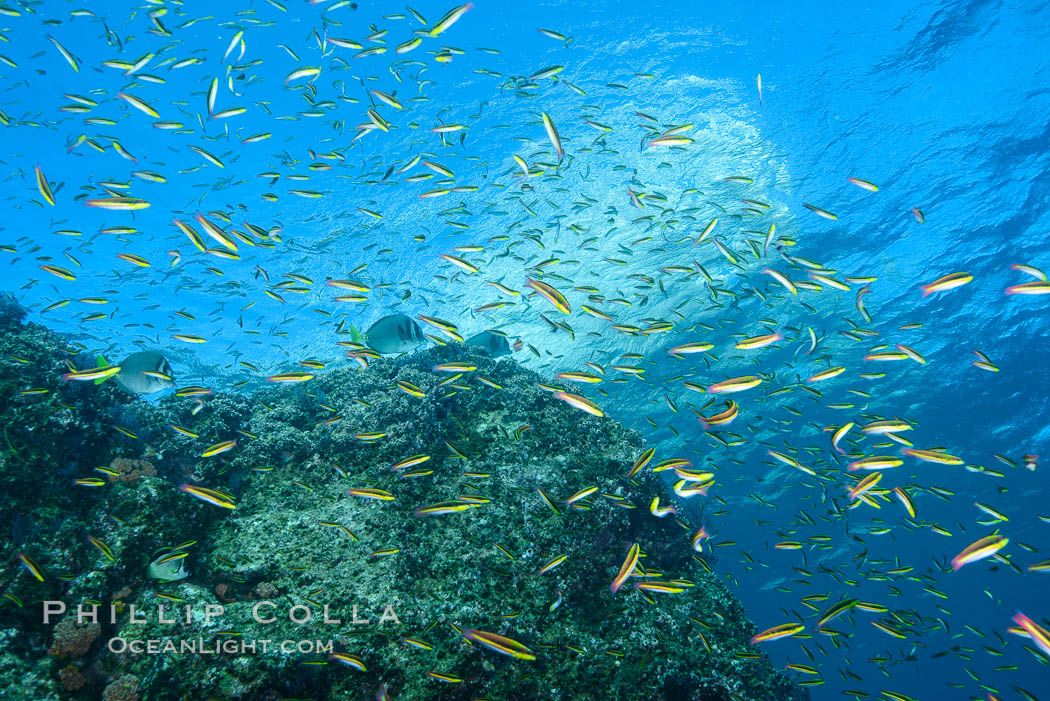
(125, 688)
(73, 639)
(129, 469)
(299, 545)
(71, 678)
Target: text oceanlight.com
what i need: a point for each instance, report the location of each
(233, 646)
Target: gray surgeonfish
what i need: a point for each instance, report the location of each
(494, 344)
(393, 334)
(145, 372)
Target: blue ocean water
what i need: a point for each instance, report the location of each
(942, 106)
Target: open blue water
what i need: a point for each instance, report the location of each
(944, 106)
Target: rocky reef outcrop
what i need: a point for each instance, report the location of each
(409, 519)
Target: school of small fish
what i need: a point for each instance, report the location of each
(689, 293)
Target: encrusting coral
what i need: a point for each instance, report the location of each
(71, 678)
(130, 469)
(125, 688)
(73, 639)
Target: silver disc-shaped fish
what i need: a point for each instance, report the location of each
(494, 344)
(393, 334)
(145, 372)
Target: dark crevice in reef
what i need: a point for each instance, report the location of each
(272, 547)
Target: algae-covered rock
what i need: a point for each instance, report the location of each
(332, 480)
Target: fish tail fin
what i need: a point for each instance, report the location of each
(355, 335)
(101, 362)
